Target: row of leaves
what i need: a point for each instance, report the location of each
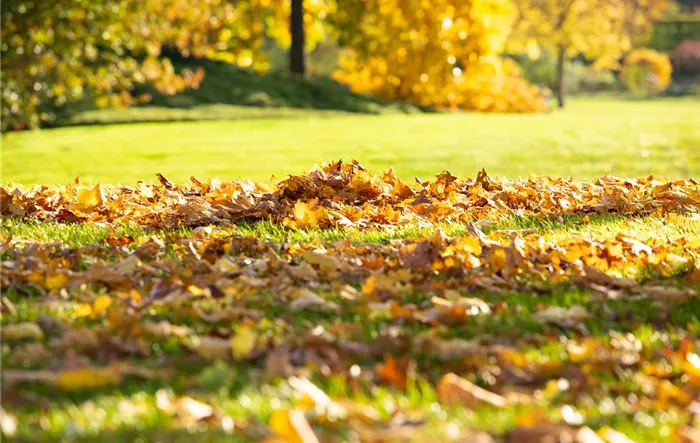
(348, 196)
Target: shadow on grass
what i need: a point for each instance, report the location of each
(231, 93)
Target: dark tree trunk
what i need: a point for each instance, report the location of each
(561, 58)
(296, 53)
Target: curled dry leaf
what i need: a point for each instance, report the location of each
(89, 198)
(453, 389)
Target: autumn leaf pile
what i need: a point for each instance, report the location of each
(346, 195)
(437, 305)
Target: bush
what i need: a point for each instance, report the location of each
(685, 58)
(646, 71)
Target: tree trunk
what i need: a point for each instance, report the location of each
(296, 28)
(561, 58)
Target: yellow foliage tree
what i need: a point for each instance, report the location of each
(601, 30)
(440, 53)
(55, 51)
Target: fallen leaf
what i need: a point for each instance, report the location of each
(277, 363)
(243, 342)
(91, 197)
(292, 426)
(454, 389)
(21, 331)
(87, 378)
(561, 316)
(394, 372)
(667, 294)
(327, 263)
(307, 299)
(211, 348)
(56, 281)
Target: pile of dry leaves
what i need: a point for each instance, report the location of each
(346, 195)
(222, 297)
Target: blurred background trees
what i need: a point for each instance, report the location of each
(487, 55)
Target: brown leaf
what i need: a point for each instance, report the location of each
(307, 299)
(543, 433)
(394, 372)
(277, 363)
(667, 294)
(454, 389)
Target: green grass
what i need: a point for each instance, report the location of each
(603, 227)
(592, 137)
(128, 412)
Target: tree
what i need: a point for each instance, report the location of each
(54, 52)
(438, 53)
(600, 30)
(296, 29)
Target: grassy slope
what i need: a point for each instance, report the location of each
(230, 93)
(590, 138)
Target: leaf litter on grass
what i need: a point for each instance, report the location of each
(459, 314)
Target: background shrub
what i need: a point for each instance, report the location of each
(685, 58)
(646, 71)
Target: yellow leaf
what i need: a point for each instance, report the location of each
(472, 244)
(87, 378)
(243, 343)
(327, 263)
(56, 281)
(83, 310)
(292, 426)
(91, 197)
(21, 331)
(101, 304)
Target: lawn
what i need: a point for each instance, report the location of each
(591, 138)
(351, 304)
(333, 306)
